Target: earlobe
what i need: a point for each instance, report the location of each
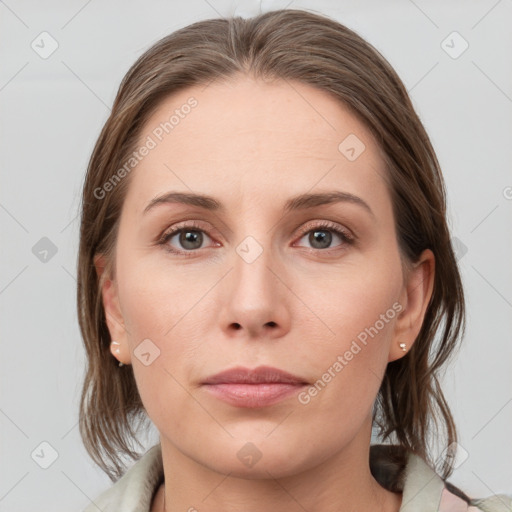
(416, 296)
(120, 352)
(115, 322)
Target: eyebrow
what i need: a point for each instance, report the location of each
(300, 202)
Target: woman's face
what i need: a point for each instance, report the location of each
(311, 287)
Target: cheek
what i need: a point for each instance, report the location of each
(165, 314)
(160, 318)
(356, 314)
(357, 296)
(158, 299)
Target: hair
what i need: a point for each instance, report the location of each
(293, 45)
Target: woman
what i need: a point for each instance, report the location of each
(266, 273)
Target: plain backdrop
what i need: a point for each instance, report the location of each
(454, 58)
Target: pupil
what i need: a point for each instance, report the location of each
(323, 237)
(189, 239)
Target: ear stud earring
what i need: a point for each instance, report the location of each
(403, 346)
(117, 351)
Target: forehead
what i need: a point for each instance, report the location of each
(245, 108)
(249, 133)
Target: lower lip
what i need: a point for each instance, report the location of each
(253, 395)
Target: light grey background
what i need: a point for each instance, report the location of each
(52, 110)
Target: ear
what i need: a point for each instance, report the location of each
(414, 299)
(119, 346)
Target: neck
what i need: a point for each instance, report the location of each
(342, 482)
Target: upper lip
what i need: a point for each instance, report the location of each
(259, 375)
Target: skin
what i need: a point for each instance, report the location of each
(252, 145)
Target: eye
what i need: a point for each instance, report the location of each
(320, 236)
(188, 237)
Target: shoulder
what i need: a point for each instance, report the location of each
(495, 503)
(134, 491)
(422, 488)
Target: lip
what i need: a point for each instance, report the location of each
(259, 387)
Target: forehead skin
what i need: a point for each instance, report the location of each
(262, 139)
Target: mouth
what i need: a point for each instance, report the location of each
(260, 387)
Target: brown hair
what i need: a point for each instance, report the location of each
(299, 46)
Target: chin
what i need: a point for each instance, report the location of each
(260, 457)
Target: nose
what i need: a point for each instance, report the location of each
(255, 298)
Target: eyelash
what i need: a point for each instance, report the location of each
(345, 236)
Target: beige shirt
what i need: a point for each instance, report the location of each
(422, 489)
